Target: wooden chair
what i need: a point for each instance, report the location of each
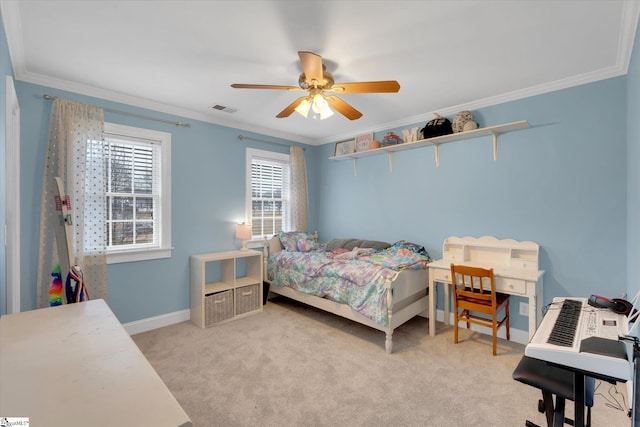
(475, 300)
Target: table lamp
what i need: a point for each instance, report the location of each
(243, 232)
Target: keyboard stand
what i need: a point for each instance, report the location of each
(635, 398)
(578, 394)
(579, 391)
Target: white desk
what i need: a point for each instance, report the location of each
(515, 266)
(75, 365)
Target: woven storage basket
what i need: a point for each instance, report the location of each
(218, 307)
(248, 299)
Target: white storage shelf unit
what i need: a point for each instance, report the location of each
(225, 286)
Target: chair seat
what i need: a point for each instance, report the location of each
(500, 299)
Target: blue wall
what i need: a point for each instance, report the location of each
(561, 183)
(208, 197)
(5, 70)
(633, 160)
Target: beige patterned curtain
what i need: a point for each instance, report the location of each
(75, 154)
(298, 218)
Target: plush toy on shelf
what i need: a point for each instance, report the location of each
(463, 122)
(390, 139)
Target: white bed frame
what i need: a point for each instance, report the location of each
(408, 297)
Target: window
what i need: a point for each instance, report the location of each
(138, 193)
(267, 191)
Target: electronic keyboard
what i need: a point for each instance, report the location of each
(575, 334)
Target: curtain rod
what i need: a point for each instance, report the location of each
(241, 137)
(126, 113)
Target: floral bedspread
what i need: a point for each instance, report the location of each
(359, 282)
(401, 255)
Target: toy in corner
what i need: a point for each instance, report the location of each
(55, 288)
(77, 292)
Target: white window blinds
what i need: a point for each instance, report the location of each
(133, 193)
(269, 184)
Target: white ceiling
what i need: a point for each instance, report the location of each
(180, 57)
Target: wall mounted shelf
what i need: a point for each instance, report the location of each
(436, 142)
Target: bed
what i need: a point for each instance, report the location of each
(373, 283)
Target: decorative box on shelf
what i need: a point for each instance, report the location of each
(364, 142)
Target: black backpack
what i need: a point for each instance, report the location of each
(437, 127)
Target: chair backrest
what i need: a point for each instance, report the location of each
(473, 282)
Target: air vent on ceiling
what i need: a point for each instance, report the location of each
(223, 108)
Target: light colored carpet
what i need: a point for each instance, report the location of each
(293, 365)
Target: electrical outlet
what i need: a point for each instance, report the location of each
(524, 309)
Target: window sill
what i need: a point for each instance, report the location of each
(138, 255)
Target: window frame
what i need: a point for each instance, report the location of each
(268, 155)
(164, 247)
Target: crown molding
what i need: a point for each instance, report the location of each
(154, 106)
(628, 28)
(13, 30)
(629, 23)
(12, 24)
(493, 100)
(104, 94)
(618, 70)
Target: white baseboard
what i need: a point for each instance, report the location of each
(517, 335)
(150, 323)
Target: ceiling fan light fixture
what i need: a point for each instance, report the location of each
(316, 104)
(315, 79)
(302, 82)
(325, 114)
(320, 107)
(304, 107)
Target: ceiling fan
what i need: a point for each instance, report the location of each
(316, 80)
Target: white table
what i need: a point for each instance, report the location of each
(75, 365)
(515, 266)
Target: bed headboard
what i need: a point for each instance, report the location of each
(269, 246)
(273, 245)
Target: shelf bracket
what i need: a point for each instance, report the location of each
(495, 146)
(390, 161)
(355, 166)
(437, 151)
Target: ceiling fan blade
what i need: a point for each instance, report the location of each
(276, 87)
(290, 108)
(367, 87)
(343, 108)
(312, 67)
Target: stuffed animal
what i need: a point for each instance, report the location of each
(464, 121)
